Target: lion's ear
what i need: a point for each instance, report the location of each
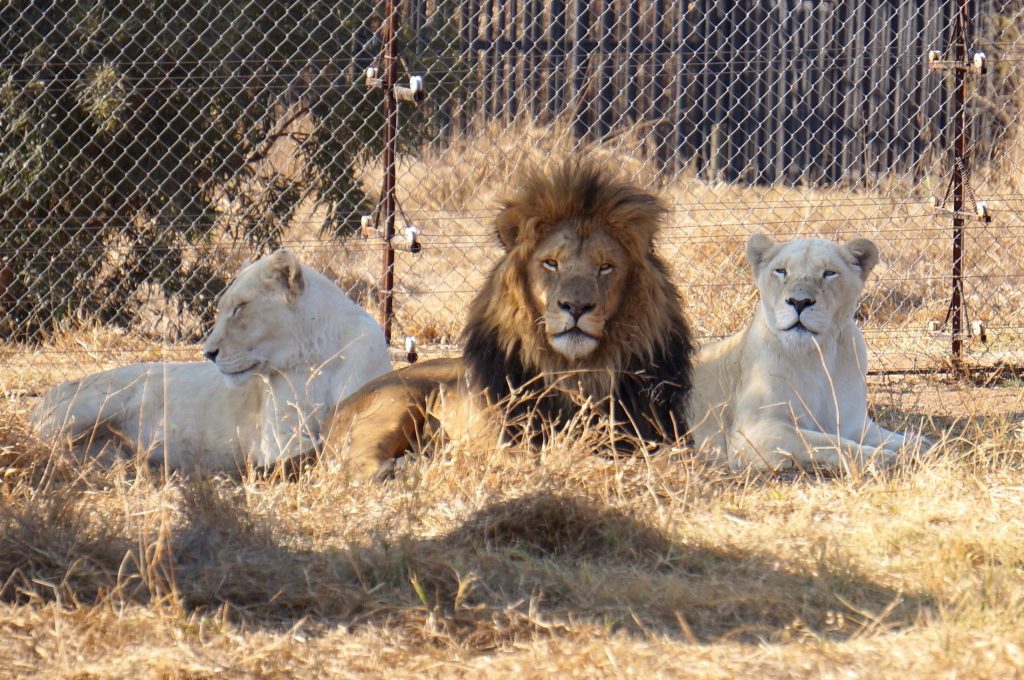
(861, 253)
(759, 248)
(286, 270)
(508, 222)
(516, 229)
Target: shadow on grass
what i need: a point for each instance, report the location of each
(534, 565)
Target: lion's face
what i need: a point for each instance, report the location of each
(256, 326)
(578, 285)
(809, 287)
(580, 309)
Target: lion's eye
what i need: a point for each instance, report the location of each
(550, 265)
(829, 275)
(237, 309)
(780, 272)
(605, 268)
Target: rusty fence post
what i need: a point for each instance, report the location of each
(384, 76)
(390, 71)
(956, 298)
(959, 189)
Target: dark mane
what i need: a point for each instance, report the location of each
(645, 358)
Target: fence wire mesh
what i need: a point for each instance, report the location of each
(148, 149)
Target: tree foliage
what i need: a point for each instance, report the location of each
(126, 127)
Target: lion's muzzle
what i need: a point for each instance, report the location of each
(574, 319)
(799, 304)
(576, 309)
(574, 326)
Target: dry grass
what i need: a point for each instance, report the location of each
(534, 563)
(550, 563)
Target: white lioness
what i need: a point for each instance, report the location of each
(287, 344)
(790, 389)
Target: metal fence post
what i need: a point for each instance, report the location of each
(390, 67)
(962, 65)
(956, 300)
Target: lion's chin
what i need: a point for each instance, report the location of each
(238, 378)
(798, 337)
(799, 329)
(573, 344)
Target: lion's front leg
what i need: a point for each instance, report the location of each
(776, 445)
(878, 436)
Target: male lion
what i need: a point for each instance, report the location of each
(790, 388)
(577, 318)
(287, 344)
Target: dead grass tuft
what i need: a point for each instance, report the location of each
(51, 548)
(551, 525)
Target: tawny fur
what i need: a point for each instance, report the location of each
(577, 238)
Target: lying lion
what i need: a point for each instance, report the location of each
(578, 319)
(287, 344)
(790, 389)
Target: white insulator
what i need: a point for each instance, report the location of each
(407, 240)
(979, 62)
(366, 228)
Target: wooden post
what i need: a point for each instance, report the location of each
(606, 89)
(580, 57)
(960, 36)
(390, 77)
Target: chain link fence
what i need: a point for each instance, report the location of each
(149, 149)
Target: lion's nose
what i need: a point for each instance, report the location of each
(576, 309)
(800, 304)
(212, 354)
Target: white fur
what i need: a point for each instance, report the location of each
(775, 395)
(305, 344)
(574, 346)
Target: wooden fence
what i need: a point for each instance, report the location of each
(752, 90)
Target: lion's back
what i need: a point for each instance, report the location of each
(129, 402)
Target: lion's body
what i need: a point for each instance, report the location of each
(287, 345)
(791, 387)
(398, 412)
(579, 313)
